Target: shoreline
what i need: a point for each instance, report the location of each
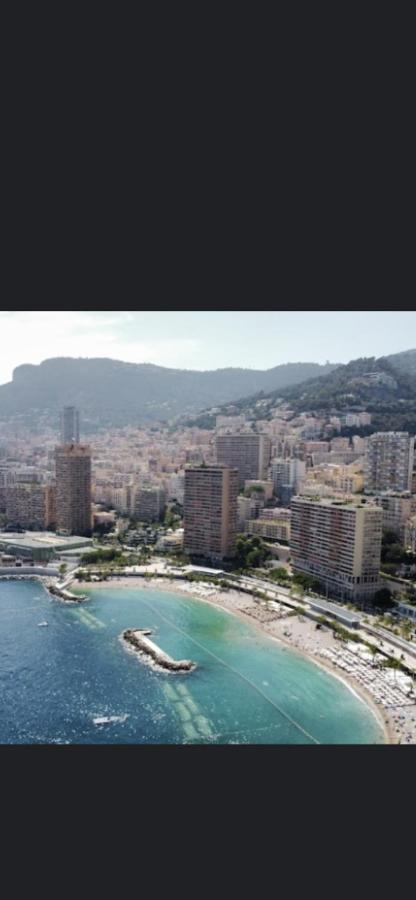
(242, 605)
(49, 583)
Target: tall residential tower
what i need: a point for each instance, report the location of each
(390, 459)
(211, 511)
(249, 453)
(70, 425)
(73, 489)
(339, 544)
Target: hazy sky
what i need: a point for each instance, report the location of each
(203, 339)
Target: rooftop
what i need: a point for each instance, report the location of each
(355, 502)
(43, 540)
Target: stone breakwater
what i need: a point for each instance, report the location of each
(65, 595)
(138, 639)
(55, 590)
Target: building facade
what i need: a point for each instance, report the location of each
(149, 504)
(31, 506)
(339, 544)
(248, 453)
(73, 489)
(397, 510)
(287, 473)
(389, 463)
(70, 425)
(211, 494)
(276, 528)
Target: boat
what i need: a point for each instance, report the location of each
(43, 625)
(109, 720)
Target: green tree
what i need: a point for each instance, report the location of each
(384, 599)
(307, 582)
(250, 553)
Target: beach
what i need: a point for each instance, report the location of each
(386, 697)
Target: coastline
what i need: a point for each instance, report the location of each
(302, 637)
(50, 585)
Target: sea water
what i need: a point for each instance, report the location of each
(247, 689)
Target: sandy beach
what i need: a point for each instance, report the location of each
(387, 698)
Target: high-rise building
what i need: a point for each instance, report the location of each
(389, 464)
(248, 453)
(73, 489)
(410, 535)
(211, 494)
(289, 472)
(70, 425)
(339, 544)
(31, 505)
(149, 504)
(397, 510)
(272, 525)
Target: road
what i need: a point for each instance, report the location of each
(381, 638)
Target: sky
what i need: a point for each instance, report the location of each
(201, 339)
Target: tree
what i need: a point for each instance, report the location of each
(307, 582)
(279, 575)
(250, 553)
(63, 568)
(384, 599)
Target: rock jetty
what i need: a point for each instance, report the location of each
(138, 639)
(65, 595)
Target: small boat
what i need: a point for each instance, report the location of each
(109, 720)
(43, 625)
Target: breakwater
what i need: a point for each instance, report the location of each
(138, 639)
(57, 591)
(45, 578)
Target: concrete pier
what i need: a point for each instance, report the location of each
(138, 639)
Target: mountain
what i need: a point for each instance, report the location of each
(111, 393)
(385, 387)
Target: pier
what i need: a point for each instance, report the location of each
(58, 591)
(45, 576)
(138, 639)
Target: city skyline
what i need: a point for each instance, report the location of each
(296, 522)
(203, 340)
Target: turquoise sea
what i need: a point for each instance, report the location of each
(247, 689)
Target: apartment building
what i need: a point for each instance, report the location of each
(397, 510)
(271, 528)
(31, 506)
(389, 463)
(287, 473)
(248, 453)
(339, 544)
(210, 511)
(149, 504)
(73, 489)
